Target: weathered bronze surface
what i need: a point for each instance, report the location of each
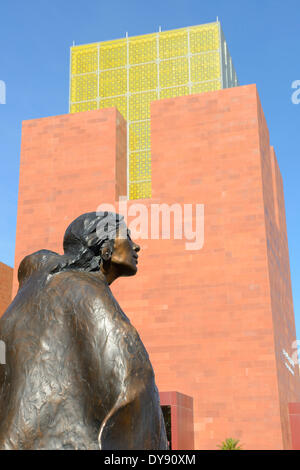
(77, 375)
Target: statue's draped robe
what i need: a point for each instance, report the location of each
(77, 375)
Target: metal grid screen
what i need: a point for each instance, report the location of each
(129, 73)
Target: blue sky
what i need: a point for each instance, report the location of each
(35, 36)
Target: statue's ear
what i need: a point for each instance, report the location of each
(106, 251)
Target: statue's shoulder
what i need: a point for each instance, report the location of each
(90, 288)
(72, 280)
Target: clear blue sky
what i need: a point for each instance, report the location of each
(35, 36)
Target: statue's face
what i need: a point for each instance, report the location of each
(125, 254)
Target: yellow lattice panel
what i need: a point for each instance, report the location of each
(119, 102)
(84, 87)
(206, 86)
(113, 54)
(85, 106)
(134, 165)
(174, 91)
(205, 67)
(143, 49)
(140, 190)
(173, 43)
(143, 77)
(204, 38)
(129, 73)
(174, 72)
(139, 105)
(139, 136)
(112, 82)
(139, 166)
(84, 59)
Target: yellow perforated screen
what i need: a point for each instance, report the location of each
(129, 73)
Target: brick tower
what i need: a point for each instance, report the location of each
(217, 322)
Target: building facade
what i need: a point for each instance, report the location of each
(216, 318)
(218, 321)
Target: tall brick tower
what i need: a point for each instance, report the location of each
(218, 322)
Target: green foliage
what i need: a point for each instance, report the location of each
(230, 444)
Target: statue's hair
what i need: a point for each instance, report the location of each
(85, 237)
(83, 242)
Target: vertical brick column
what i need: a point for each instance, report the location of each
(69, 165)
(215, 320)
(279, 279)
(294, 415)
(182, 425)
(6, 277)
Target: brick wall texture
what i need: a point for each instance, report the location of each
(215, 320)
(6, 278)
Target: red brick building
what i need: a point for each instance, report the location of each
(6, 279)
(217, 322)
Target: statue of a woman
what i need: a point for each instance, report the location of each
(77, 375)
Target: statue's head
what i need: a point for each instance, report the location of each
(101, 241)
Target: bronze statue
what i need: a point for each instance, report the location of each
(77, 375)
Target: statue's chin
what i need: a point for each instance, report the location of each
(129, 270)
(125, 269)
(132, 272)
